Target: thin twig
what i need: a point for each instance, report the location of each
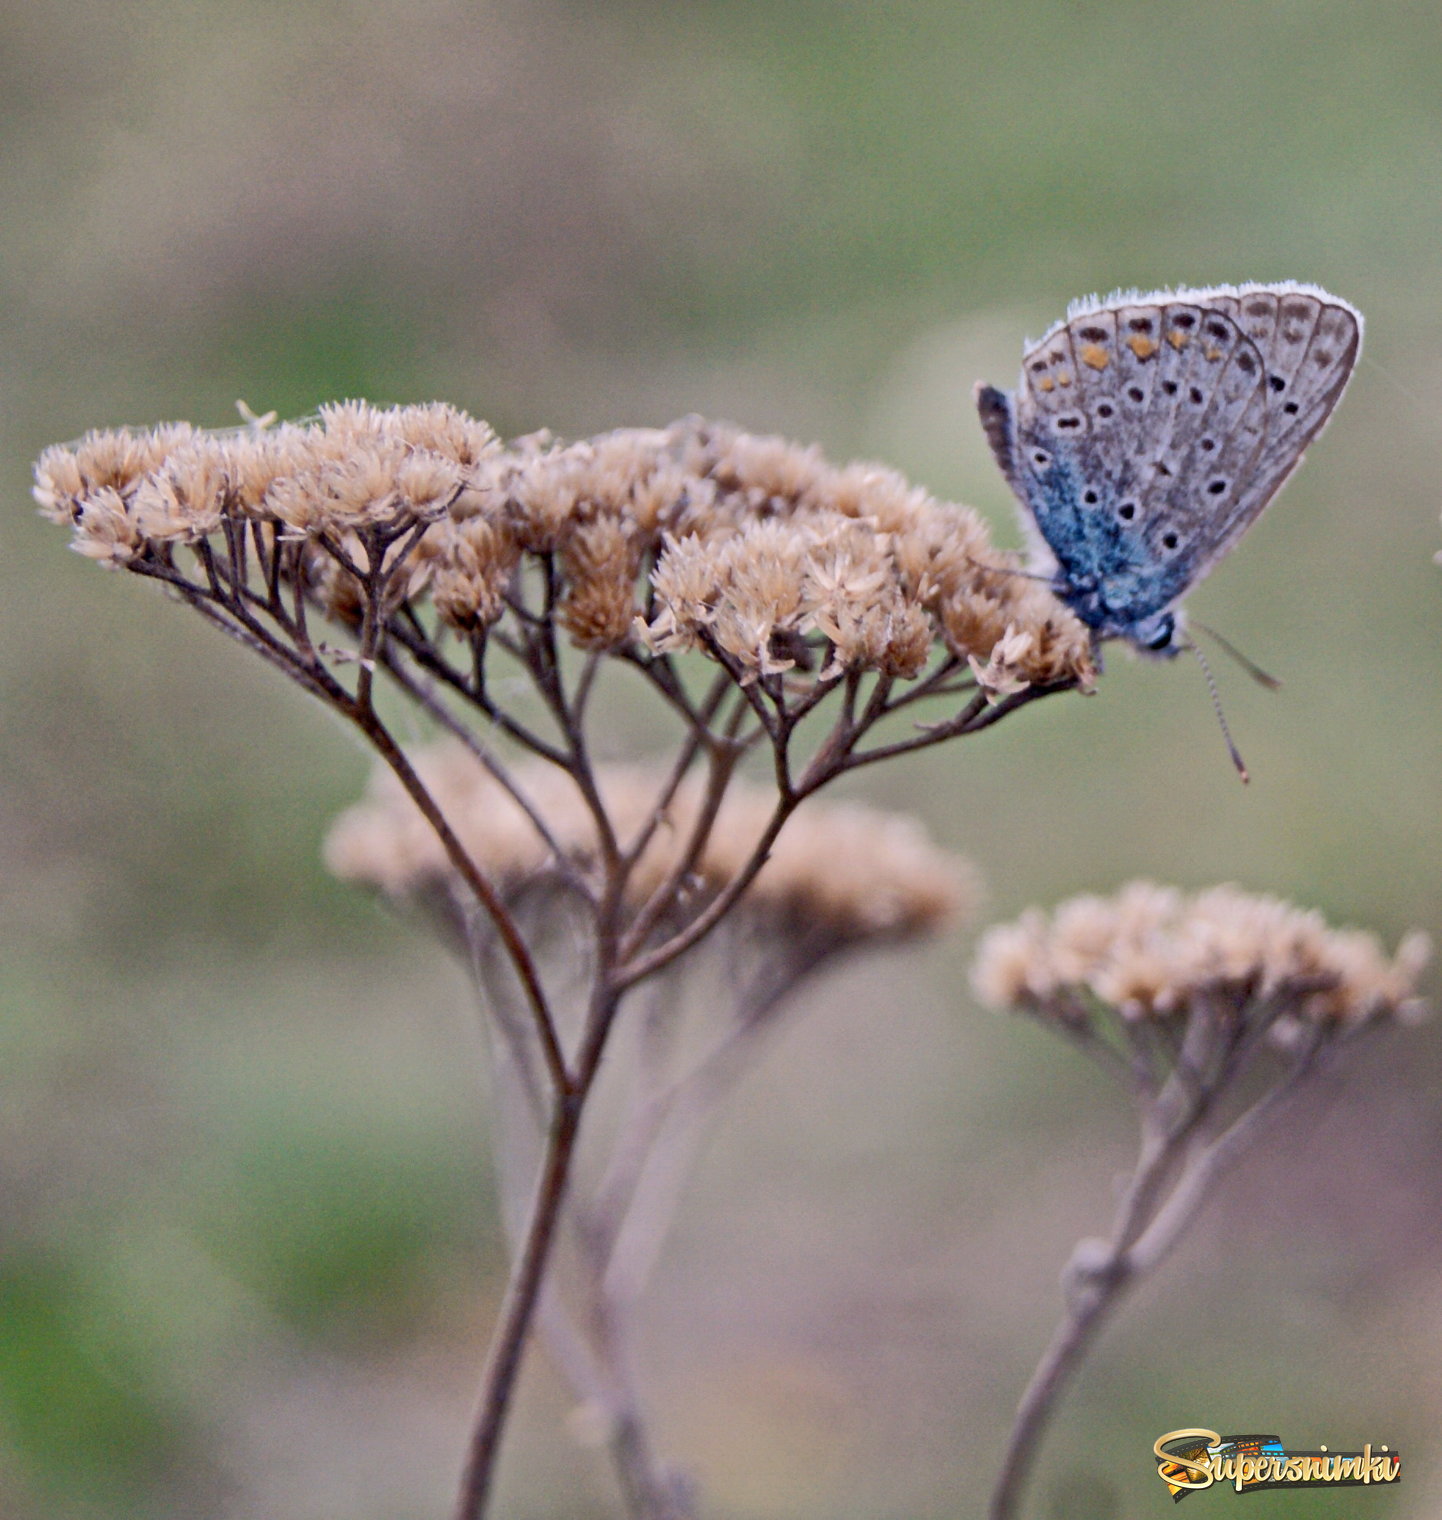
(425, 655)
(638, 969)
(509, 1339)
(722, 767)
(425, 697)
(1171, 1182)
(485, 893)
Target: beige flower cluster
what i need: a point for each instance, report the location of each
(1154, 951)
(793, 546)
(355, 467)
(697, 536)
(841, 868)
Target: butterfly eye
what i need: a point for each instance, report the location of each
(1163, 637)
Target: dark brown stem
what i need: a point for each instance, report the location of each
(638, 969)
(485, 893)
(425, 697)
(473, 690)
(699, 737)
(723, 764)
(523, 1292)
(509, 1340)
(974, 717)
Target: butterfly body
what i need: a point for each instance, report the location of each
(1148, 432)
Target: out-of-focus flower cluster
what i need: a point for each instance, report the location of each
(1154, 952)
(846, 870)
(697, 536)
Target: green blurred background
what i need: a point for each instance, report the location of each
(247, 1233)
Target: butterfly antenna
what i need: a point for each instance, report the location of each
(1256, 672)
(1021, 575)
(1217, 708)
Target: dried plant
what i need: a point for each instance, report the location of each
(841, 878)
(763, 599)
(1210, 1010)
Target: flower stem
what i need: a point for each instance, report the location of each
(522, 1293)
(1069, 1345)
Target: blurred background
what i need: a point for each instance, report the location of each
(248, 1249)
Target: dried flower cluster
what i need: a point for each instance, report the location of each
(849, 870)
(696, 536)
(449, 564)
(763, 599)
(838, 878)
(1152, 952)
(1213, 1009)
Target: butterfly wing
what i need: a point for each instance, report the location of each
(1148, 432)
(1309, 342)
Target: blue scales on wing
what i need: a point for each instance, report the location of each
(1149, 431)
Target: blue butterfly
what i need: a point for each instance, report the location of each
(1149, 431)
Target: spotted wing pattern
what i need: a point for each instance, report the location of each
(1149, 431)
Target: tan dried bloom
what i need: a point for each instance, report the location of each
(186, 497)
(358, 481)
(92, 487)
(443, 430)
(760, 593)
(844, 869)
(60, 485)
(473, 561)
(106, 530)
(1154, 952)
(555, 492)
(754, 547)
(1002, 674)
(885, 498)
(844, 865)
(599, 562)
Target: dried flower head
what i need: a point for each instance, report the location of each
(1213, 1010)
(752, 550)
(845, 869)
(1152, 953)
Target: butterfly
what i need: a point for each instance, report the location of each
(1149, 431)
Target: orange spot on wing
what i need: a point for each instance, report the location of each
(1063, 378)
(1141, 346)
(1046, 383)
(1095, 356)
(1213, 354)
(1178, 339)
